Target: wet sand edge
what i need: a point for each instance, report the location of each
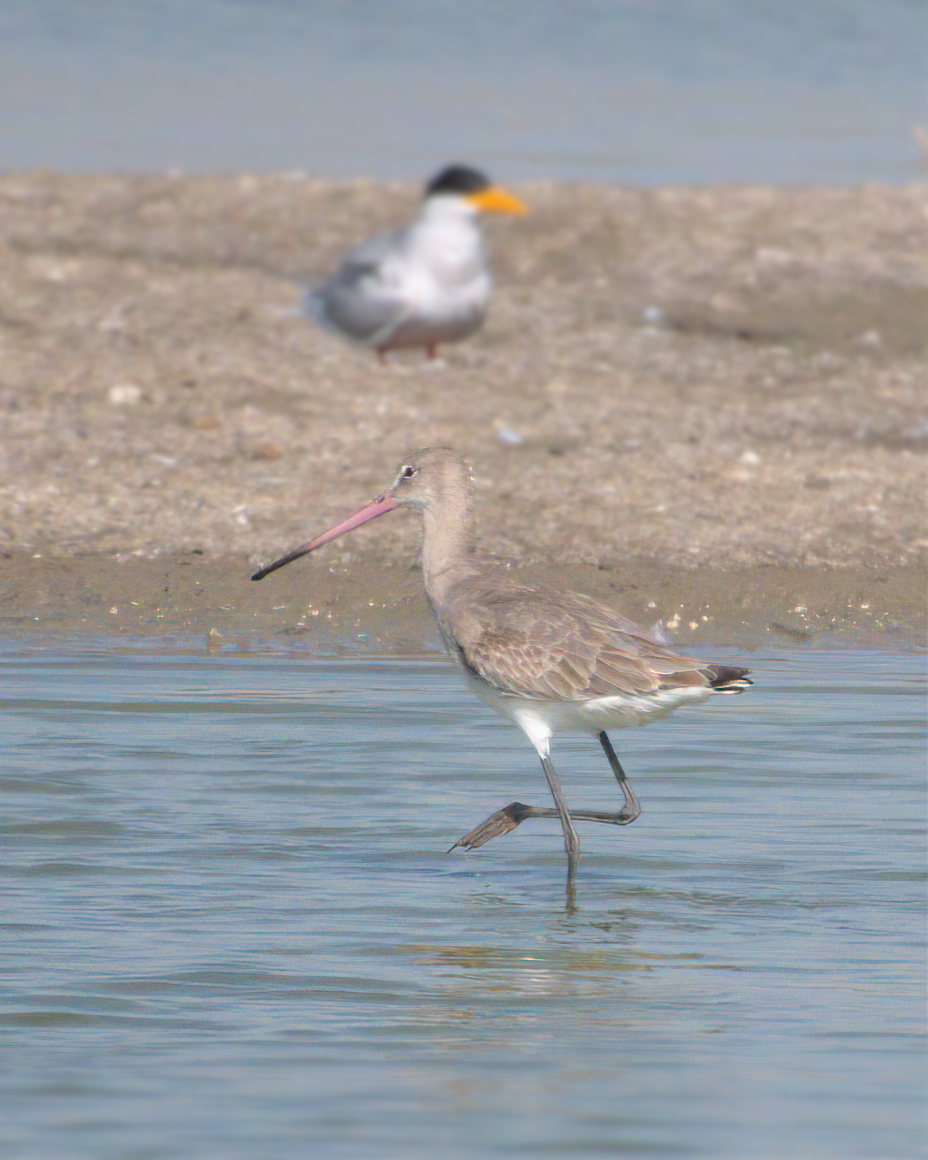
(349, 597)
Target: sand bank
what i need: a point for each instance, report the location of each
(711, 400)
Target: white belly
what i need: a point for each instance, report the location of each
(592, 716)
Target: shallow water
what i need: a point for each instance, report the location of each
(605, 90)
(231, 927)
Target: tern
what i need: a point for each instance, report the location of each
(546, 657)
(423, 285)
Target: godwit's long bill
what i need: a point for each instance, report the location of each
(548, 658)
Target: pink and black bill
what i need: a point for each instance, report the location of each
(377, 507)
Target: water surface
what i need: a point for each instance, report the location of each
(231, 927)
(826, 92)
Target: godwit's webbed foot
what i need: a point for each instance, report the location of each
(501, 822)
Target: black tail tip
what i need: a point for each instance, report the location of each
(727, 679)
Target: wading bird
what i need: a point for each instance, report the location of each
(546, 657)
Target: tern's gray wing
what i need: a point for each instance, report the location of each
(534, 641)
(362, 300)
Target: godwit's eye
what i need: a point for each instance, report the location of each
(409, 472)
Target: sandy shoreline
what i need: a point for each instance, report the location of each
(347, 599)
(708, 398)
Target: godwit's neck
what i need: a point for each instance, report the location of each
(449, 538)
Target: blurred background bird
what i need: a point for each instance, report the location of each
(427, 283)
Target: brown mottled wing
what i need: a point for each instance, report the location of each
(534, 641)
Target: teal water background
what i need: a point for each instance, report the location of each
(230, 926)
(827, 92)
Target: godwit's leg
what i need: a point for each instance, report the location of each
(631, 809)
(507, 819)
(571, 841)
(516, 813)
(513, 815)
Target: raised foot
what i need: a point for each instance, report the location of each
(515, 813)
(501, 822)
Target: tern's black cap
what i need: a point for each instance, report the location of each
(458, 179)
